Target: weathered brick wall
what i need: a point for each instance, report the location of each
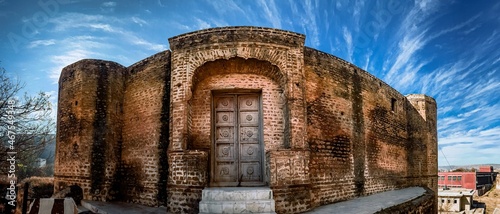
(89, 127)
(329, 128)
(289, 180)
(331, 131)
(143, 152)
(375, 141)
(187, 176)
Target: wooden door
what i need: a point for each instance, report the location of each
(238, 151)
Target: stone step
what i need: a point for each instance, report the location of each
(249, 206)
(237, 200)
(237, 193)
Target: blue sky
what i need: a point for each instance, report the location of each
(449, 50)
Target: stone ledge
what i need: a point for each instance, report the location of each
(384, 202)
(237, 34)
(237, 193)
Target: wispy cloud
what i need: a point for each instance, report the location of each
(348, 43)
(309, 21)
(160, 3)
(224, 7)
(38, 43)
(76, 48)
(200, 24)
(454, 84)
(271, 13)
(139, 21)
(66, 59)
(484, 144)
(147, 45)
(408, 47)
(108, 6)
(78, 20)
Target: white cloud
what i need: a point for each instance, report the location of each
(65, 59)
(103, 27)
(407, 49)
(109, 4)
(107, 24)
(270, 12)
(348, 42)
(309, 20)
(38, 43)
(139, 21)
(53, 101)
(200, 24)
(70, 21)
(293, 6)
(160, 3)
(484, 143)
(224, 7)
(176, 24)
(148, 45)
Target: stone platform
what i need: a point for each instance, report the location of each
(100, 207)
(373, 203)
(260, 200)
(237, 200)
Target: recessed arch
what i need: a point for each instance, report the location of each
(238, 65)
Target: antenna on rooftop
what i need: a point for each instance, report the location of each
(445, 157)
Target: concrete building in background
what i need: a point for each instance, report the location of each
(240, 107)
(455, 200)
(457, 180)
(481, 180)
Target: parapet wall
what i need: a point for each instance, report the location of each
(421, 205)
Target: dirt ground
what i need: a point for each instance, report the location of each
(491, 199)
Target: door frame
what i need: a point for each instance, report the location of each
(236, 91)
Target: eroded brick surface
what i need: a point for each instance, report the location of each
(331, 131)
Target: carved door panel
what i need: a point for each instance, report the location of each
(237, 156)
(249, 138)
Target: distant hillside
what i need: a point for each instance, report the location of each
(476, 166)
(50, 150)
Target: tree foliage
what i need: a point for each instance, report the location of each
(461, 169)
(25, 126)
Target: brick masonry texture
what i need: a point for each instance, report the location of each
(330, 131)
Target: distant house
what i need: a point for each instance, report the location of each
(455, 200)
(482, 180)
(40, 162)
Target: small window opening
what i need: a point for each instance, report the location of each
(393, 104)
(76, 103)
(455, 201)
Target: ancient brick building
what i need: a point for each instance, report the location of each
(239, 106)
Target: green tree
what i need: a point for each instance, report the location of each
(25, 127)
